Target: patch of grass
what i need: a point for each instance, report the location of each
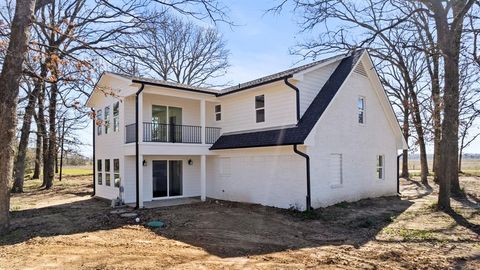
(342, 204)
(410, 234)
(77, 171)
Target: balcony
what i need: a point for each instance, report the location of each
(170, 133)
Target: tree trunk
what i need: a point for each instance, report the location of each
(460, 160)
(9, 88)
(406, 131)
(437, 121)
(417, 120)
(42, 125)
(19, 166)
(52, 138)
(38, 155)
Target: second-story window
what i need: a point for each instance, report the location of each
(260, 108)
(99, 122)
(218, 112)
(116, 117)
(107, 119)
(361, 110)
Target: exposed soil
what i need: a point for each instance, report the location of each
(66, 228)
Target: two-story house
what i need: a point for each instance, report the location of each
(314, 135)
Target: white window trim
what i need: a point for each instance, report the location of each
(261, 108)
(116, 117)
(215, 112)
(364, 110)
(107, 121)
(380, 167)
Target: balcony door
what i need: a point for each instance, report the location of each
(167, 177)
(166, 124)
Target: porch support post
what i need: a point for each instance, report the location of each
(203, 177)
(202, 119)
(140, 181)
(138, 149)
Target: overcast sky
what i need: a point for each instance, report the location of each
(259, 45)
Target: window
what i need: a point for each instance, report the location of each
(218, 112)
(361, 110)
(99, 171)
(107, 119)
(116, 117)
(260, 108)
(336, 170)
(116, 172)
(107, 172)
(99, 122)
(380, 167)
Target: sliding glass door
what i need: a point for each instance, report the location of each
(167, 178)
(166, 124)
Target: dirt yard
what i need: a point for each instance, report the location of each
(66, 229)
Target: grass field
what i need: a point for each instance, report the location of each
(70, 171)
(470, 167)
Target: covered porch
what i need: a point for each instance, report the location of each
(166, 180)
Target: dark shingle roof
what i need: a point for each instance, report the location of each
(276, 76)
(298, 134)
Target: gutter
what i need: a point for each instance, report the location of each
(398, 173)
(93, 157)
(137, 167)
(297, 95)
(307, 161)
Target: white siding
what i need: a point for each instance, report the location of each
(338, 131)
(238, 110)
(109, 146)
(190, 107)
(312, 83)
(273, 176)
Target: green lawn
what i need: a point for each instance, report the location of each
(74, 171)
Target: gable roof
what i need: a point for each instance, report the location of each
(297, 134)
(276, 76)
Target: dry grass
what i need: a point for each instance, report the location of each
(470, 167)
(65, 229)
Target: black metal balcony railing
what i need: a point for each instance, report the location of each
(212, 134)
(154, 132)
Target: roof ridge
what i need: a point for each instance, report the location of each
(282, 74)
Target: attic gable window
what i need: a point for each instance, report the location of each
(260, 108)
(218, 112)
(361, 110)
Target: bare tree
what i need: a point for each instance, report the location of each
(9, 87)
(171, 49)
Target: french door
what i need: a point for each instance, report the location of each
(167, 178)
(166, 124)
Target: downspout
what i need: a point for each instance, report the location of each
(93, 156)
(307, 160)
(137, 168)
(297, 95)
(398, 173)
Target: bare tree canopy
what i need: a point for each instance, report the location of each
(172, 49)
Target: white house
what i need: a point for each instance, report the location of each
(314, 135)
